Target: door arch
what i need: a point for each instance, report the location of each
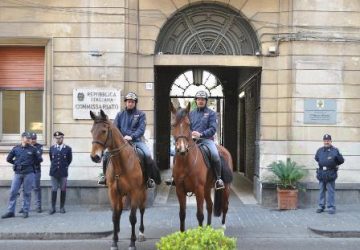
(207, 29)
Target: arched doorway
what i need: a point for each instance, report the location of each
(202, 30)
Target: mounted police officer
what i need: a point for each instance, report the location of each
(328, 158)
(24, 158)
(132, 122)
(203, 123)
(60, 158)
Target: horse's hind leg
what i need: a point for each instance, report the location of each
(209, 204)
(142, 228)
(225, 204)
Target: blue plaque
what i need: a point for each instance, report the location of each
(320, 111)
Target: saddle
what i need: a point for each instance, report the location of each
(226, 174)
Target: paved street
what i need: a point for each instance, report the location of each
(255, 227)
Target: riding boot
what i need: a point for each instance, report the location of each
(170, 182)
(102, 178)
(62, 201)
(53, 202)
(219, 184)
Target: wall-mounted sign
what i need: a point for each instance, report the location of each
(320, 111)
(85, 100)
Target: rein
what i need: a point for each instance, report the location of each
(104, 144)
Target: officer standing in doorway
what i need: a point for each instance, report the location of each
(24, 157)
(328, 158)
(60, 158)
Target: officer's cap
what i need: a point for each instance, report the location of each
(33, 135)
(327, 137)
(26, 134)
(58, 133)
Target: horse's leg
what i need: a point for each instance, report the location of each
(200, 206)
(225, 204)
(132, 219)
(117, 210)
(182, 212)
(209, 203)
(142, 211)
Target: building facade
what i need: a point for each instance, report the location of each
(289, 70)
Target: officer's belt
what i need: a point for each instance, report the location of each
(326, 168)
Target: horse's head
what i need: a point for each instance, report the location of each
(101, 133)
(180, 129)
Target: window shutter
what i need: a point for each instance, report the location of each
(22, 67)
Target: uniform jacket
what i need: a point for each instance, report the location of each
(131, 123)
(204, 121)
(24, 158)
(60, 160)
(329, 157)
(39, 147)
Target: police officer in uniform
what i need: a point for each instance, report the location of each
(203, 124)
(328, 158)
(37, 176)
(132, 122)
(24, 157)
(60, 158)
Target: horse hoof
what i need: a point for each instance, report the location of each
(114, 248)
(132, 248)
(223, 226)
(141, 237)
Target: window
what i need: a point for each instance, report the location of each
(21, 91)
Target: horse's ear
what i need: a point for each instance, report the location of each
(92, 115)
(188, 107)
(172, 108)
(103, 115)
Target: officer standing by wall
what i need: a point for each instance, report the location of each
(37, 175)
(60, 158)
(24, 157)
(328, 158)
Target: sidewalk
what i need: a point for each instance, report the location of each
(242, 221)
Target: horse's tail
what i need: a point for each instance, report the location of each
(218, 199)
(227, 177)
(155, 172)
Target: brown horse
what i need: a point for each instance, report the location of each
(123, 175)
(191, 174)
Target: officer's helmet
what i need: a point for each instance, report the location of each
(201, 94)
(131, 96)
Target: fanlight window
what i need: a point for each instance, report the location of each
(188, 83)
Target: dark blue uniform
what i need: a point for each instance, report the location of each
(60, 158)
(24, 159)
(203, 120)
(131, 123)
(37, 178)
(328, 158)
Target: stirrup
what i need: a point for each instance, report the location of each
(150, 183)
(102, 181)
(170, 182)
(219, 184)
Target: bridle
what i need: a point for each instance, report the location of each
(109, 135)
(109, 132)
